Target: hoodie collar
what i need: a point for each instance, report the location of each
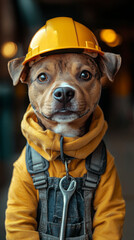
(47, 143)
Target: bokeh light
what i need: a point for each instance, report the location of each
(110, 37)
(9, 49)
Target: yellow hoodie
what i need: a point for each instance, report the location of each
(23, 197)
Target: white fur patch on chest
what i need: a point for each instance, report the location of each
(65, 130)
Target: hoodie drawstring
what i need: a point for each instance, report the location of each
(63, 158)
(61, 149)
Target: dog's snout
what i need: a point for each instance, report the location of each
(63, 94)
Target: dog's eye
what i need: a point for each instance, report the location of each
(86, 75)
(42, 77)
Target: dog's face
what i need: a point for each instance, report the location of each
(64, 90)
(64, 87)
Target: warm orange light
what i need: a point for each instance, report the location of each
(110, 37)
(9, 49)
(117, 42)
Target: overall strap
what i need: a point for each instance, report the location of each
(95, 165)
(37, 166)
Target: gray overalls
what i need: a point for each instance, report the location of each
(51, 197)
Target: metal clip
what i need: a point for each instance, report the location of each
(66, 168)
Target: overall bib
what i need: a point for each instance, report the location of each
(80, 209)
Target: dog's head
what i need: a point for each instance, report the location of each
(64, 89)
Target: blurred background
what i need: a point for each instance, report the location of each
(113, 24)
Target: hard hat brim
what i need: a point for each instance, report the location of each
(61, 50)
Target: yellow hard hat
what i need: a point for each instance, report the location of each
(60, 34)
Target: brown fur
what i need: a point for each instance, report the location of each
(63, 70)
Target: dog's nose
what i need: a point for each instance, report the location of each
(63, 94)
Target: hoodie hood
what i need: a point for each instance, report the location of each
(47, 143)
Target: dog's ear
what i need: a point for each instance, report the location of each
(110, 64)
(17, 70)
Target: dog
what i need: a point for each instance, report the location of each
(64, 89)
(63, 121)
